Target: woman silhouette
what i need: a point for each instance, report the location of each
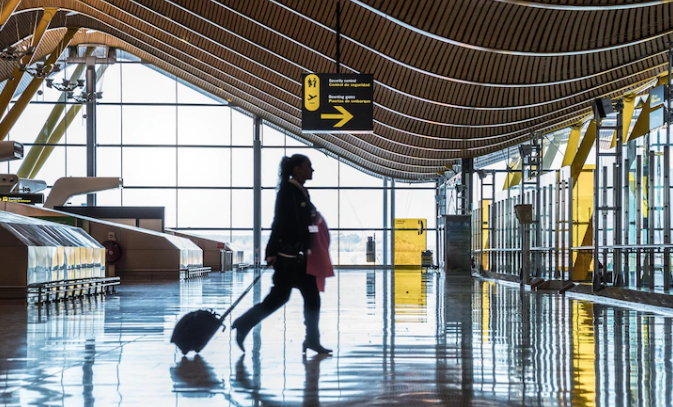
(286, 251)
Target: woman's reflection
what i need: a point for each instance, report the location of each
(311, 383)
(244, 380)
(195, 375)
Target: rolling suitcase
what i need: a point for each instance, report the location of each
(194, 330)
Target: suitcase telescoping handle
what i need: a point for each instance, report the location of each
(228, 311)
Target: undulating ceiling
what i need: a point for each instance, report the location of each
(453, 79)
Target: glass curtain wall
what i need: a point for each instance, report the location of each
(562, 238)
(189, 152)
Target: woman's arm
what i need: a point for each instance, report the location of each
(280, 216)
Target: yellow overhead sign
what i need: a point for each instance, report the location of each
(312, 92)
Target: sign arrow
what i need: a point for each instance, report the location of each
(344, 116)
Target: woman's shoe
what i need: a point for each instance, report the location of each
(316, 347)
(241, 333)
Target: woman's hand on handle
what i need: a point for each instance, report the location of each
(270, 260)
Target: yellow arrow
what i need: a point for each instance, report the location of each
(345, 116)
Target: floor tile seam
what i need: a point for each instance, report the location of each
(502, 282)
(594, 298)
(44, 377)
(666, 312)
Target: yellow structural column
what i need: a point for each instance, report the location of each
(8, 8)
(28, 163)
(627, 116)
(20, 105)
(14, 81)
(573, 144)
(583, 151)
(59, 131)
(54, 138)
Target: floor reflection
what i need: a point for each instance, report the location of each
(400, 337)
(195, 375)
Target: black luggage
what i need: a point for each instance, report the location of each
(194, 330)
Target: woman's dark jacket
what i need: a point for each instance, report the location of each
(292, 216)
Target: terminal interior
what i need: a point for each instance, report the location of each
(500, 233)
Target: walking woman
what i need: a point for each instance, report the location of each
(287, 249)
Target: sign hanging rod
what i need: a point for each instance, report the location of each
(338, 36)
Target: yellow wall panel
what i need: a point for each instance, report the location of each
(410, 241)
(410, 295)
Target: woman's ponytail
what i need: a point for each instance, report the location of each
(287, 165)
(284, 170)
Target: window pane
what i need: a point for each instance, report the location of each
(326, 202)
(148, 124)
(75, 130)
(203, 208)
(414, 185)
(207, 167)
(412, 204)
(203, 125)
(325, 167)
(188, 95)
(109, 84)
(109, 162)
(76, 160)
(112, 197)
(148, 166)
(242, 167)
(141, 84)
(352, 246)
(242, 239)
(109, 124)
(242, 129)
(350, 177)
(361, 208)
(77, 200)
(54, 167)
(270, 162)
(272, 137)
(153, 197)
(242, 208)
(30, 123)
(290, 141)
(268, 207)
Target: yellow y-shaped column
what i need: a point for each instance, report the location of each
(13, 82)
(20, 105)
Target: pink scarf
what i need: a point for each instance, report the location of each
(318, 263)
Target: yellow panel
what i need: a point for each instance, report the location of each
(613, 143)
(485, 309)
(584, 150)
(583, 208)
(513, 178)
(627, 115)
(484, 228)
(410, 241)
(573, 143)
(642, 126)
(410, 295)
(584, 355)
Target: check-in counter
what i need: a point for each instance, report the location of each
(217, 255)
(35, 252)
(144, 254)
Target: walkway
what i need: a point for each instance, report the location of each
(451, 340)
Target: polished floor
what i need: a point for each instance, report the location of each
(400, 338)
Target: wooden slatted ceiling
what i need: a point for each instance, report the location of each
(471, 76)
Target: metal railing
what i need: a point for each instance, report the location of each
(66, 289)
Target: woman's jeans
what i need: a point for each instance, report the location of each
(289, 273)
